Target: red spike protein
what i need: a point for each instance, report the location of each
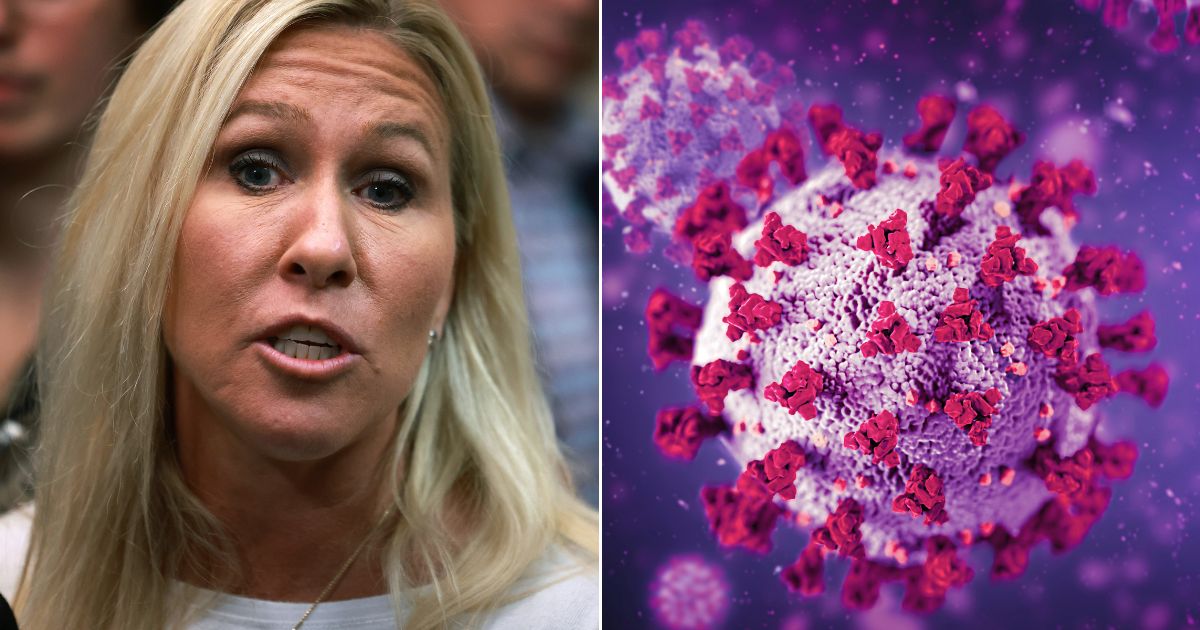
(1164, 39)
(901, 349)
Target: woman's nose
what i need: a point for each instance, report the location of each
(320, 252)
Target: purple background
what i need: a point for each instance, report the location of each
(1058, 74)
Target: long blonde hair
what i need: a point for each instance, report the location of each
(115, 521)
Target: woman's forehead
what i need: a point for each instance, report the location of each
(348, 72)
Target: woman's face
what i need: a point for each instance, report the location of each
(318, 252)
(54, 61)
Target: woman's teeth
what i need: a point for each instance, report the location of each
(307, 342)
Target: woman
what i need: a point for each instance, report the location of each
(286, 357)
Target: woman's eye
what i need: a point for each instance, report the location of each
(382, 194)
(257, 175)
(387, 190)
(256, 172)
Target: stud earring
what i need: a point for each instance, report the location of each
(432, 337)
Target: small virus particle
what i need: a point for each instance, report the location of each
(1165, 38)
(689, 593)
(915, 372)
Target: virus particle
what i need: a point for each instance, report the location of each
(1165, 38)
(903, 353)
(689, 593)
(925, 381)
(678, 119)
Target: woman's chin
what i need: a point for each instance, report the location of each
(303, 438)
(298, 447)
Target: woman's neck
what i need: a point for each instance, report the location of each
(296, 556)
(289, 551)
(293, 524)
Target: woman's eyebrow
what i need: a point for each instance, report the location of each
(271, 109)
(392, 129)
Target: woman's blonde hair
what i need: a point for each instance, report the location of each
(115, 521)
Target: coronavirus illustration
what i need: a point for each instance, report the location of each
(1165, 37)
(901, 351)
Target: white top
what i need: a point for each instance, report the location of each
(14, 540)
(570, 603)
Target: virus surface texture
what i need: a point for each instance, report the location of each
(902, 352)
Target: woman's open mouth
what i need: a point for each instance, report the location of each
(307, 351)
(306, 342)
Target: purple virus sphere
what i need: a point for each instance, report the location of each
(902, 353)
(689, 593)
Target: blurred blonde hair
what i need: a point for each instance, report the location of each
(115, 521)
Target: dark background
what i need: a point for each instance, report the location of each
(1063, 78)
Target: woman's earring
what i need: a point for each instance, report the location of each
(432, 337)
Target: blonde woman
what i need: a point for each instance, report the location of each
(286, 367)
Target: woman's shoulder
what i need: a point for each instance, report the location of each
(14, 540)
(562, 591)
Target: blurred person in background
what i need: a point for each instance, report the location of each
(57, 58)
(541, 61)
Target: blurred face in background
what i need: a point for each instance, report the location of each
(534, 51)
(54, 61)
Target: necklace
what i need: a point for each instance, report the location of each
(342, 571)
